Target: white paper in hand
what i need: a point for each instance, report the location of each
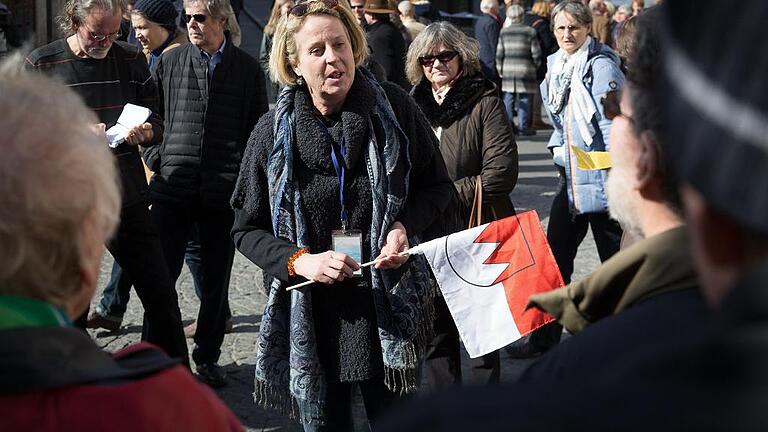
(132, 116)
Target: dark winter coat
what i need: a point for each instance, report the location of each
(344, 315)
(487, 29)
(208, 121)
(643, 295)
(546, 38)
(388, 49)
(712, 379)
(273, 88)
(476, 139)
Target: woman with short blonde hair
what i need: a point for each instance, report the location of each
(344, 170)
(284, 53)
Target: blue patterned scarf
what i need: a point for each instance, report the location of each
(289, 377)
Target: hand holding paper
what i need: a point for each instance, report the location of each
(140, 134)
(131, 122)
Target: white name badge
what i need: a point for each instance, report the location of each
(350, 243)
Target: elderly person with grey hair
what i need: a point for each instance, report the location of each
(344, 170)
(487, 29)
(479, 149)
(109, 74)
(579, 76)
(518, 55)
(59, 204)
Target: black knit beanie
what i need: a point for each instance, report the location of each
(162, 12)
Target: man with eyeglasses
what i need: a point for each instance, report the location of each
(648, 292)
(211, 94)
(107, 75)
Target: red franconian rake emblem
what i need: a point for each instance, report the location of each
(530, 265)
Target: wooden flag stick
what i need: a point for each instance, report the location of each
(364, 265)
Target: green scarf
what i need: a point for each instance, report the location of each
(18, 312)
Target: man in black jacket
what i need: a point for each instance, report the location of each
(387, 43)
(107, 75)
(487, 29)
(212, 93)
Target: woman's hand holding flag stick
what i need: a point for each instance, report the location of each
(405, 253)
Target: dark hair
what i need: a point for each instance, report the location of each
(625, 41)
(644, 70)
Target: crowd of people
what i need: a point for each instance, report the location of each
(362, 129)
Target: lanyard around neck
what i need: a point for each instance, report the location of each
(337, 157)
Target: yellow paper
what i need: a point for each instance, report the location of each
(591, 161)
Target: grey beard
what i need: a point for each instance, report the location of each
(620, 206)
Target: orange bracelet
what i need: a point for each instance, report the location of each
(292, 260)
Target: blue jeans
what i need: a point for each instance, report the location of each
(520, 102)
(117, 293)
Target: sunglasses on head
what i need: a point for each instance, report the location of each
(301, 9)
(198, 18)
(612, 106)
(444, 57)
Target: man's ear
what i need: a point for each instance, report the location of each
(647, 160)
(88, 278)
(721, 239)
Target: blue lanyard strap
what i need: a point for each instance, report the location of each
(337, 157)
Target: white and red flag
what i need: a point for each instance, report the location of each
(487, 274)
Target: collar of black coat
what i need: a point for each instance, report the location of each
(45, 358)
(459, 100)
(650, 267)
(312, 143)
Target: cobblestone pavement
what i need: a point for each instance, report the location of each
(534, 190)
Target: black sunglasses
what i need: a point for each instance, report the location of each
(444, 57)
(612, 106)
(198, 18)
(301, 9)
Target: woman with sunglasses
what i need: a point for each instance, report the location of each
(477, 144)
(342, 171)
(579, 75)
